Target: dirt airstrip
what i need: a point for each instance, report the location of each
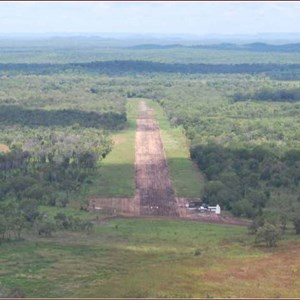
(153, 185)
(154, 195)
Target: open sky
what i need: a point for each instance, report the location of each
(161, 17)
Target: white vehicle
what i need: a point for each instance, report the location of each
(203, 209)
(213, 209)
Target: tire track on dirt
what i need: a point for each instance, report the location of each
(153, 184)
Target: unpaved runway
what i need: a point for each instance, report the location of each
(154, 195)
(153, 186)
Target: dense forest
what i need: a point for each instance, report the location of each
(244, 133)
(54, 133)
(281, 95)
(119, 67)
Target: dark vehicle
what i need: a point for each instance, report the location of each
(194, 204)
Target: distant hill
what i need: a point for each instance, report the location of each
(156, 46)
(256, 47)
(273, 48)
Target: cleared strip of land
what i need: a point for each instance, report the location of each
(154, 194)
(153, 185)
(164, 174)
(186, 179)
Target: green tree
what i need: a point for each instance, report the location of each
(243, 208)
(29, 208)
(19, 224)
(3, 227)
(257, 222)
(296, 222)
(45, 228)
(268, 233)
(62, 221)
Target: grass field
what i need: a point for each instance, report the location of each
(150, 258)
(186, 178)
(116, 174)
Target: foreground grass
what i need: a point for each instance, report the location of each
(150, 258)
(186, 178)
(116, 174)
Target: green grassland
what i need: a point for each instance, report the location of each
(186, 178)
(146, 258)
(115, 177)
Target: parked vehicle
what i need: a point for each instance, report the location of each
(203, 208)
(194, 205)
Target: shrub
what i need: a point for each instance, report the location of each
(197, 252)
(45, 228)
(270, 234)
(296, 222)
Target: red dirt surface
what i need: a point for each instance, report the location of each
(4, 148)
(115, 206)
(274, 275)
(153, 185)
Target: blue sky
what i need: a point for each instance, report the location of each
(150, 17)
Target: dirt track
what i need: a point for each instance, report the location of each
(154, 195)
(153, 185)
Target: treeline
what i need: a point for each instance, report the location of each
(84, 101)
(55, 131)
(13, 114)
(48, 175)
(253, 183)
(131, 66)
(289, 75)
(268, 94)
(18, 216)
(36, 69)
(249, 152)
(242, 180)
(51, 166)
(118, 67)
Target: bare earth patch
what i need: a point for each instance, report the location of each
(273, 276)
(153, 185)
(4, 148)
